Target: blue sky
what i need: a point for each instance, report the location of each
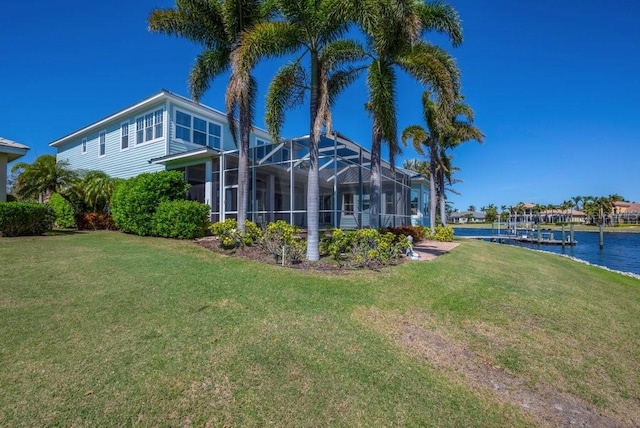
(554, 85)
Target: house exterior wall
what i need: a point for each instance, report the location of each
(116, 161)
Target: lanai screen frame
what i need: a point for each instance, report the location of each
(278, 184)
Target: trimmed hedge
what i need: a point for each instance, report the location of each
(63, 211)
(181, 219)
(25, 218)
(135, 201)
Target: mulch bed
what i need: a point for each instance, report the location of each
(325, 264)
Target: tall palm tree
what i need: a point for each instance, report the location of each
(43, 177)
(218, 26)
(392, 30)
(312, 32)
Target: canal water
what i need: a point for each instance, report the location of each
(621, 251)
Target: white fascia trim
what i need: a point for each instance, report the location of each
(116, 116)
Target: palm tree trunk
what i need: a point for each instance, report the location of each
(432, 190)
(443, 210)
(243, 167)
(313, 191)
(376, 178)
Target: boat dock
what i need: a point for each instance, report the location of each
(545, 239)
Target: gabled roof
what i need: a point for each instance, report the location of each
(140, 106)
(12, 149)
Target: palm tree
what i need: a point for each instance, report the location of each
(458, 131)
(443, 131)
(218, 27)
(309, 30)
(95, 189)
(392, 30)
(43, 177)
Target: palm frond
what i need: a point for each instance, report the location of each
(441, 17)
(208, 65)
(285, 91)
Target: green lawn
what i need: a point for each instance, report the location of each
(104, 329)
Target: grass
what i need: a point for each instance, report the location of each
(109, 329)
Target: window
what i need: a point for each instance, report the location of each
(149, 126)
(140, 130)
(261, 151)
(124, 136)
(183, 126)
(158, 121)
(199, 131)
(347, 203)
(84, 145)
(215, 135)
(103, 141)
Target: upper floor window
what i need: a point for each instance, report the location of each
(183, 126)
(84, 145)
(192, 129)
(215, 135)
(149, 126)
(103, 143)
(260, 149)
(124, 134)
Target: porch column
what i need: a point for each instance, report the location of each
(208, 183)
(3, 177)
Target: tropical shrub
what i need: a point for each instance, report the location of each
(443, 234)
(181, 219)
(417, 232)
(372, 249)
(365, 247)
(279, 236)
(135, 201)
(25, 218)
(229, 235)
(63, 210)
(94, 221)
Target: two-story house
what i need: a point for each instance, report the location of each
(168, 131)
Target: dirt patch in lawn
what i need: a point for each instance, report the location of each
(545, 404)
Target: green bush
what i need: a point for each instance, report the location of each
(94, 221)
(281, 234)
(365, 247)
(25, 218)
(135, 201)
(63, 210)
(229, 235)
(443, 234)
(181, 219)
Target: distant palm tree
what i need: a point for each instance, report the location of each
(218, 26)
(43, 177)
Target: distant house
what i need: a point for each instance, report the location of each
(9, 151)
(467, 217)
(169, 132)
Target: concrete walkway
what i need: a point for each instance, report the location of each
(429, 250)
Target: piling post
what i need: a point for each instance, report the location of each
(539, 234)
(571, 234)
(601, 236)
(563, 237)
